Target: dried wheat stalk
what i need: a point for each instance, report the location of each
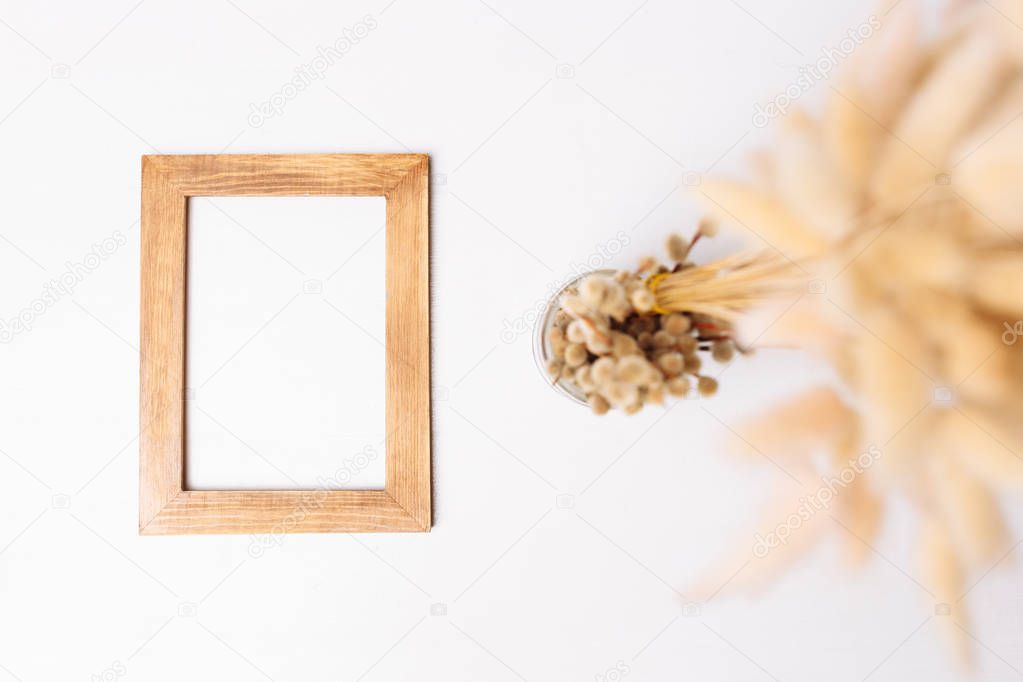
(903, 193)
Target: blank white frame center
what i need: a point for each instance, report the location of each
(285, 328)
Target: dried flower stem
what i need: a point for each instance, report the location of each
(628, 340)
(726, 288)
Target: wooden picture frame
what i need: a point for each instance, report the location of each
(165, 506)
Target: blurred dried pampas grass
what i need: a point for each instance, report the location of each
(903, 197)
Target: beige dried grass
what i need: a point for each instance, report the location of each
(904, 194)
(726, 288)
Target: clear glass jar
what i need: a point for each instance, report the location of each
(542, 351)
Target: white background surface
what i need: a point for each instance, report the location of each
(563, 545)
(294, 399)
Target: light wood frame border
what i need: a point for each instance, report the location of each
(165, 507)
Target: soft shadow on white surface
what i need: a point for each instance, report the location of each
(285, 355)
(560, 540)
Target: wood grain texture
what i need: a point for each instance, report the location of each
(162, 337)
(165, 508)
(272, 512)
(286, 174)
(408, 346)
